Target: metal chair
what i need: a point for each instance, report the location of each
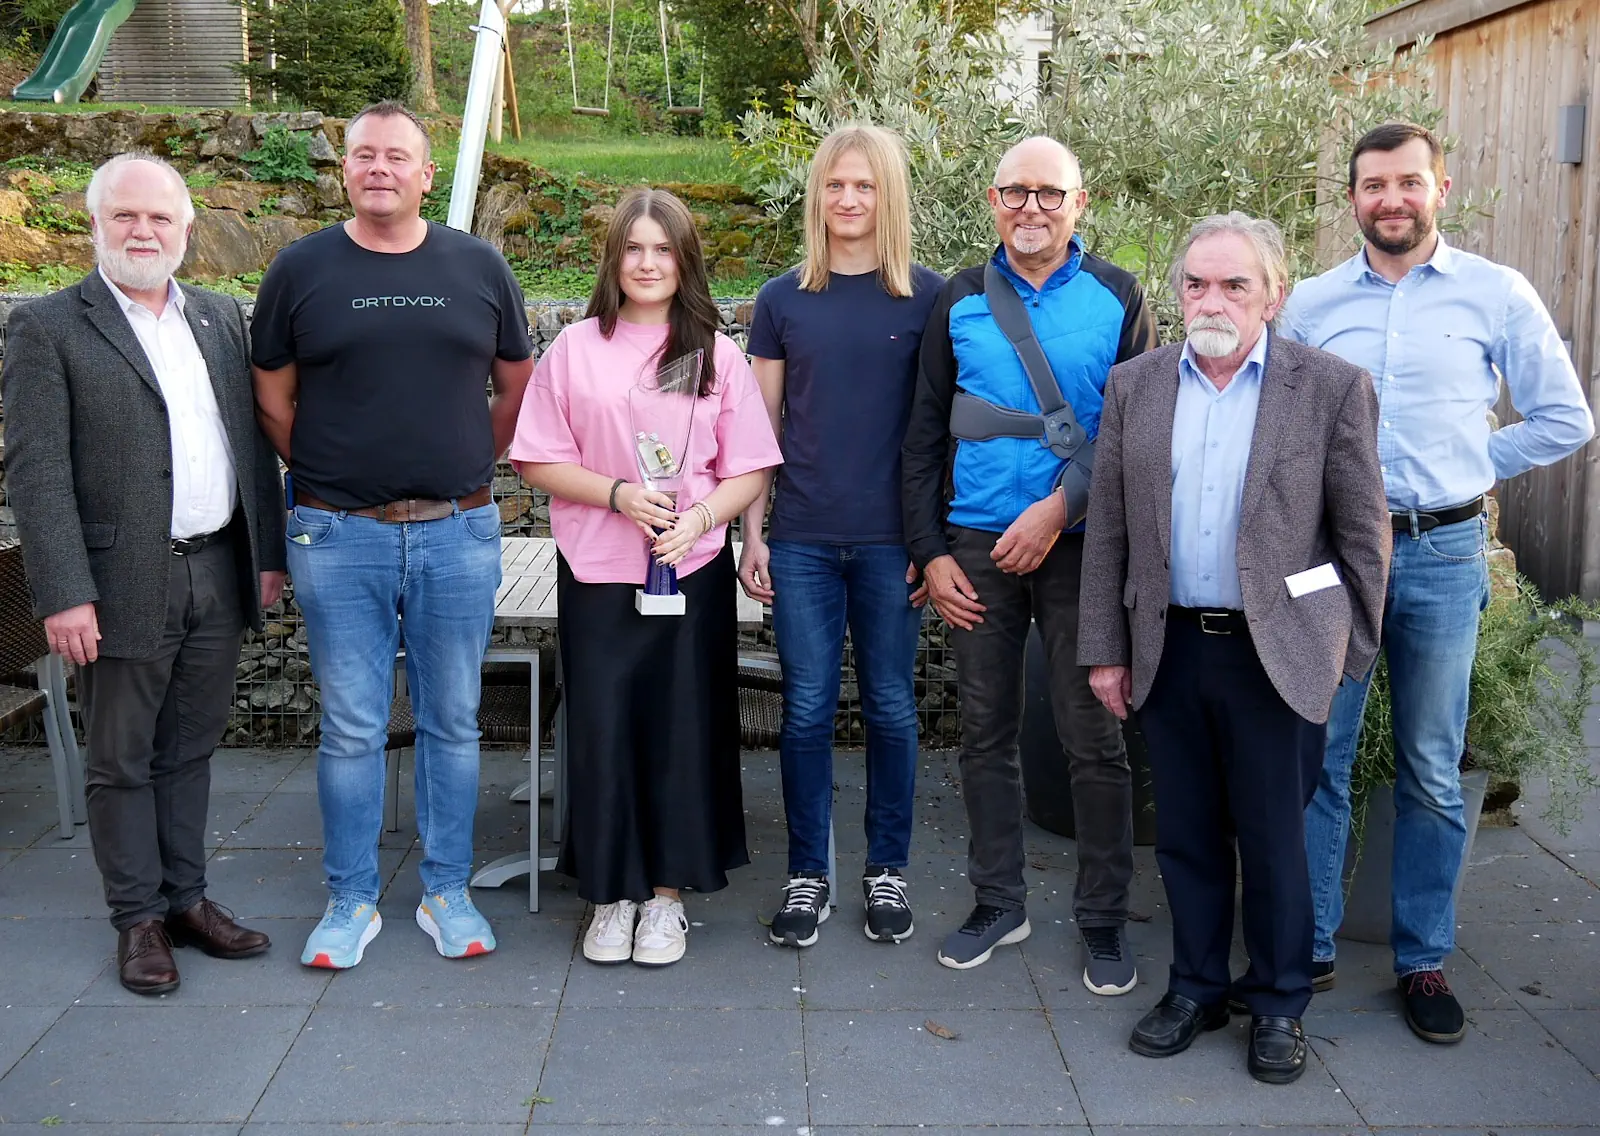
(23, 646)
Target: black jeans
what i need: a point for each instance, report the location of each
(152, 724)
(1232, 765)
(989, 679)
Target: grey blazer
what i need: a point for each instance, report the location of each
(1313, 494)
(88, 458)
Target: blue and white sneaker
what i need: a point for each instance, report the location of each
(455, 926)
(341, 938)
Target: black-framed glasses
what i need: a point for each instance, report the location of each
(1049, 197)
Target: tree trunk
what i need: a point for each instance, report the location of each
(419, 42)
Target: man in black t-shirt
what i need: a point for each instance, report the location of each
(372, 340)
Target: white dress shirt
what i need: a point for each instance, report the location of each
(204, 485)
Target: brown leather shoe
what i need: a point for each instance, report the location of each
(212, 929)
(144, 959)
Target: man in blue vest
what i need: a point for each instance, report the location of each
(1007, 547)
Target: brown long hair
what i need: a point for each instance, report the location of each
(692, 320)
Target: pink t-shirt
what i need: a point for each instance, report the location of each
(576, 410)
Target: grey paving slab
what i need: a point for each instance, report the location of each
(277, 882)
(272, 979)
(25, 817)
(886, 1067)
(1365, 981)
(1578, 1031)
(398, 1128)
(690, 1067)
(121, 1127)
(24, 1025)
(1529, 887)
(1506, 1071)
(1231, 1130)
(283, 820)
(1208, 1084)
(729, 965)
(1583, 833)
(50, 961)
(59, 882)
(229, 813)
(101, 1063)
(26, 769)
(257, 771)
(1561, 961)
(431, 1066)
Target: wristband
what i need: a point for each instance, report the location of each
(708, 514)
(612, 500)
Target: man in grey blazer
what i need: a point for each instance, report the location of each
(1234, 572)
(151, 516)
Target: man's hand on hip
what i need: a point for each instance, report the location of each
(74, 634)
(952, 593)
(1023, 546)
(1113, 686)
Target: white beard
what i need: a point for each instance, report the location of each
(139, 275)
(1214, 337)
(1029, 241)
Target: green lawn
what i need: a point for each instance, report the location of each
(89, 108)
(625, 160)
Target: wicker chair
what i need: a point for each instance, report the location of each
(23, 646)
(760, 700)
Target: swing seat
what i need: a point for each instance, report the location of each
(593, 112)
(686, 110)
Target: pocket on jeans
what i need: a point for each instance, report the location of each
(483, 522)
(1460, 543)
(309, 527)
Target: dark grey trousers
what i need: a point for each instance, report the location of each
(152, 724)
(989, 680)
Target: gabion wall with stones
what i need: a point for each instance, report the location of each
(275, 701)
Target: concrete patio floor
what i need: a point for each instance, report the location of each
(741, 1036)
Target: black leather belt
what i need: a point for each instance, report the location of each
(189, 545)
(1212, 622)
(1422, 522)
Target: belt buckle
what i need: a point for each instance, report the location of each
(1221, 616)
(183, 546)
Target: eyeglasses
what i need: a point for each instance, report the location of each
(1049, 197)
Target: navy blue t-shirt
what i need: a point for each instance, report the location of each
(850, 367)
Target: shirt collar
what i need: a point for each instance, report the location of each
(1443, 261)
(174, 294)
(1257, 359)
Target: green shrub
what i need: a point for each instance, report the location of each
(284, 155)
(335, 56)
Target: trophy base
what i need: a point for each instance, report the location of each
(646, 604)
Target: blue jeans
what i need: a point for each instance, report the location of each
(1438, 584)
(355, 580)
(817, 590)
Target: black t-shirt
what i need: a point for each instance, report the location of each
(850, 366)
(392, 352)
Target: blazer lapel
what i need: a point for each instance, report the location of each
(1154, 447)
(1280, 390)
(107, 316)
(208, 337)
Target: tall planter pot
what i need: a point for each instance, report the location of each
(1046, 784)
(1367, 904)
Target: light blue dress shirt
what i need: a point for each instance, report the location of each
(1211, 435)
(1437, 344)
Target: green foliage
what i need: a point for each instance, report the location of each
(757, 51)
(905, 68)
(26, 24)
(200, 179)
(542, 283)
(335, 56)
(284, 155)
(54, 217)
(23, 280)
(1532, 681)
(616, 160)
(174, 145)
(67, 176)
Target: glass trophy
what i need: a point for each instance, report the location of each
(661, 414)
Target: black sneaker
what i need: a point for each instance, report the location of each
(888, 913)
(1323, 978)
(805, 904)
(986, 928)
(1432, 1011)
(1108, 967)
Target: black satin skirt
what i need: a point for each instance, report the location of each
(654, 797)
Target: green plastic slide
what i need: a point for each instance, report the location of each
(74, 53)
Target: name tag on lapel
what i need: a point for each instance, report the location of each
(1312, 580)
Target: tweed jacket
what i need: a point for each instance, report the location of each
(1313, 494)
(88, 458)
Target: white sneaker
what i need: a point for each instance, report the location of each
(663, 933)
(609, 938)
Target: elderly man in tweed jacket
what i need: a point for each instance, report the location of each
(151, 516)
(1234, 571)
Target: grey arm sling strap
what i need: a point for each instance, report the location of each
(975, 419)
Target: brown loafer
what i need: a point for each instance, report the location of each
(144, 959)
(211, 928)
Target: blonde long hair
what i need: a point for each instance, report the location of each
(886, 158)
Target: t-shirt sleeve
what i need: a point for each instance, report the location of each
(515, 341)
(544, 428)
(745, 442)
(271, 327)
(765, 341)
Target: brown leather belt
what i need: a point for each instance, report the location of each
(402, 512)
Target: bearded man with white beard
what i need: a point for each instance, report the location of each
(151, 517)
(1233, 575)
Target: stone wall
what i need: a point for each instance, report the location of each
(276, 701)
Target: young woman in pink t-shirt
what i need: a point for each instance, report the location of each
(651, 701)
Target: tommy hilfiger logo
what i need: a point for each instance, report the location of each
(399, 301)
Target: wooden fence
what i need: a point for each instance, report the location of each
(177, 52)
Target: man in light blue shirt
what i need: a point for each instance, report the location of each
(1438, 329)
